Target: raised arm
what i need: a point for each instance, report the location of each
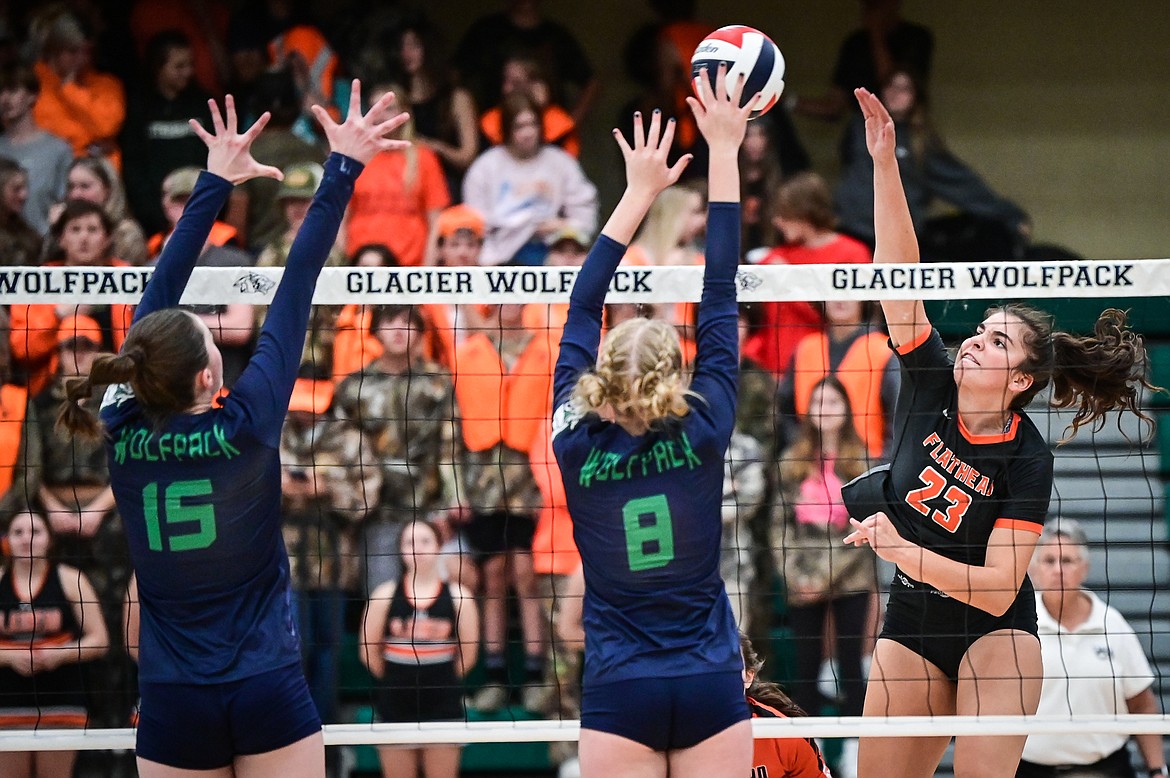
(229, 162)
(895, 241)
(723, 121)
(267, 382)
(647, 174)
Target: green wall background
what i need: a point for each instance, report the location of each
(1063, 105)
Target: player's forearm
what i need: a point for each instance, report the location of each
(988, 588)
(894, 239)
(185, 244)
(723, 175)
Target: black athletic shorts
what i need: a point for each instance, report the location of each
(940, 629)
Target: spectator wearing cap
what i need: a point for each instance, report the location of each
(296, 193)
(176, 191)
(83, 233)
(42, 154)
(156, 137)
(75, 496)
(84, 107)
(398, 198)
(328, 490)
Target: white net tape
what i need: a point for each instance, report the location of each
(556, 731)
(757, 283)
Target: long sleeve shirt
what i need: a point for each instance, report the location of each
(647, 509)
(200, 496)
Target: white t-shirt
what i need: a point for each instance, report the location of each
(1092, 669)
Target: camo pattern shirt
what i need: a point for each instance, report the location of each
(411, 422)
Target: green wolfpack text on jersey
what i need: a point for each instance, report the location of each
(142, 444)
(663, 456)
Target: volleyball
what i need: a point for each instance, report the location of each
(748, 52)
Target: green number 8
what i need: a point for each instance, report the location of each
(649, 546)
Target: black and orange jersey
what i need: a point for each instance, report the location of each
(48, 619)
(784, 757)
(946, 488)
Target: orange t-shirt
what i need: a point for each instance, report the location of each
(784, 757)
(87, 110)
(384, 210)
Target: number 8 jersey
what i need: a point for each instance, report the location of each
(947, 488)
(646, 509)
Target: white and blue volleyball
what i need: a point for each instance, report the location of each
(747, 52)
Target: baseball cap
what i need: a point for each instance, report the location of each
(460, 217)
(569, 232)
(79, 327)
(180, 182)
(301, 180)
(311, 396)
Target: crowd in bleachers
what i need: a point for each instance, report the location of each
(440, 413)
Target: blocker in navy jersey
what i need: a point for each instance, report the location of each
(200, 497)
(647, 509)
(946, 490)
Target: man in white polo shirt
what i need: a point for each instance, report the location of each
(1093, 664)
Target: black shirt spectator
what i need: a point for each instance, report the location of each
(156, 137)
(521, 30)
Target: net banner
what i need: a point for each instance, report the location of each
(756, 283)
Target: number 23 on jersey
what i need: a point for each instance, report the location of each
(934, 486)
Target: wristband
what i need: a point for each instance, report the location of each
(1158, 772)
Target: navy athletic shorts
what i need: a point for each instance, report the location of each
(941, 629)
(666, 713)
(206, 726)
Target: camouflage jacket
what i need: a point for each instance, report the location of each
(813, 557)
(744, 496)
(320, 534)
(66, 460)
(500, 479)
(412, 423)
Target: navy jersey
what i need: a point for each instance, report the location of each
(200, 498)
(946, 489)
(647, 509)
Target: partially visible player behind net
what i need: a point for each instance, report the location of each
(641, 453)
(198, 482)
(961, 506)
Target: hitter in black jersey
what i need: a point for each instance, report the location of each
(960, 507)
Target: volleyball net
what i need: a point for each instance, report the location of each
(1110, 479)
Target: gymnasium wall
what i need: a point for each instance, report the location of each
(1063, 105)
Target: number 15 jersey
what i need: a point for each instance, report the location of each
(948, 488)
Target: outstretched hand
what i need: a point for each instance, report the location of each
(362, 136)
(719, 115)
(879, 126)
(229, 152)
(647, 170)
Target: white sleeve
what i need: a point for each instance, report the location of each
(1132, 669)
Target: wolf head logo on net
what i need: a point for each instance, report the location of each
(746, 280)
(253, 283)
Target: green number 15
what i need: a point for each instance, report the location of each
(175, 512)
(649, 544)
